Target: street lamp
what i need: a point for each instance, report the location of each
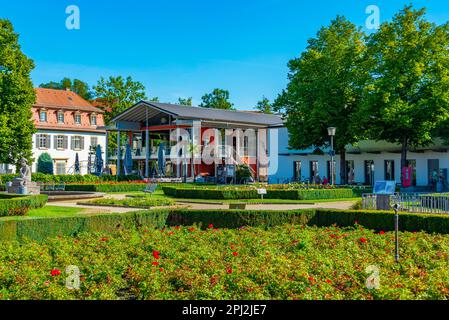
(331, 132)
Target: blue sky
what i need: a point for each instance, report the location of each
(184, 48)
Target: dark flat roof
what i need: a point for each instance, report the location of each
(136, 112)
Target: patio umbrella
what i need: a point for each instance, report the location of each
(77, 164)
(98, 161)
(161, 159)
(128, 162)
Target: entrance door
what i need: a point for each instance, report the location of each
(432, 165)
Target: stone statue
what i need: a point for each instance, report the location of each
(25, 173)
(23, 184)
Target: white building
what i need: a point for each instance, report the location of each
(383, 157)
(67, 125)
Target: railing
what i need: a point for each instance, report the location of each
(412, 202)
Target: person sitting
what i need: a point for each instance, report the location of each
(325, 181)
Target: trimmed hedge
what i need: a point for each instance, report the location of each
(119, 187)
(72, 178)
(41, 228)
(288, 194)
(14, 205)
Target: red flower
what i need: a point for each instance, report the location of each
(363, 240)
(191, 229)
(311, 279)
(229, 271)
(328, 281)
(104, 239)
(155, 263)
(235, 254)
(211, 226)
(171, 233)
(156, 254)
(356, 222)
(161, 269)
(382, 232)
(55, 272)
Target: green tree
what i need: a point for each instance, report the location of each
(16, 98)
(408, 95)
(325, 89)
(185, 101)
(45, 164)
(264, 106)
(218, 99)
(118, 94)
(79, 87)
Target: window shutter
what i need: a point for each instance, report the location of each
(66, 142)
(55, 142)
(82, 143)
(37, 141)
(47, 141)
(72, 145)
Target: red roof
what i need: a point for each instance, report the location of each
(52, 98)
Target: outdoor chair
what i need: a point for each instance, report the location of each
(60, 187)
(151, 188)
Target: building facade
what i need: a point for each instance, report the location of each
(367, 162)
(67, 125)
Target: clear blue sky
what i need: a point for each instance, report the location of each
(184, 48)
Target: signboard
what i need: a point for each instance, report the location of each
(261, 191)
(407, 173)
(384, 187)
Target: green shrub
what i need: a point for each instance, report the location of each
(107, 187)
(139, 202)
(251, 193)
(14, 205)
(45, 164)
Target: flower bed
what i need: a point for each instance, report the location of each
(139, 202)
(246, 192)
(16, 205)
(284, 262)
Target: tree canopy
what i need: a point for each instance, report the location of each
(325, 88)
(185, 101)
(407, 97)
(218, 99)
(75, 85)
(16, 98)
(264, 106)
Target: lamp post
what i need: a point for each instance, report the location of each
(331, 132)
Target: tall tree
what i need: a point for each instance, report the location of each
(408, 96)
(325, 88)
(118, 94)
(185, 101)
(218, 99)
(264, 106)
(75, 85)
(16, 98)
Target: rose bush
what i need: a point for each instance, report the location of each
(284, 262)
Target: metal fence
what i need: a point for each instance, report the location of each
(411, 202)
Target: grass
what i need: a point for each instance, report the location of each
(48, 212)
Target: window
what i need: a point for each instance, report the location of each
(43, 116)
(60, 167)
(60, 142)
(77, 118)
(313, 170)
(93, 142)
(369, 172)
(60, 117)
(43, 141)
(77, 143)
(93, 120)
(350, 167)
(297, 170)
(389, 169)
(329, 169)
(412, 164)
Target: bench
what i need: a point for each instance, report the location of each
(151, 188)
(238, 206)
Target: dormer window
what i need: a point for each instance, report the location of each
(77, 118)
(43, 116)
(93, 119)
(60, 117)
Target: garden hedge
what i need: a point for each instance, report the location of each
(41, 228)
(246, 193)
(72, 178)
(106, 187)
(15, 205)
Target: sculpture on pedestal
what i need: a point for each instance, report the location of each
(23, 184)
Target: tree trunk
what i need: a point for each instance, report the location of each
(404, 149)
(343, 173)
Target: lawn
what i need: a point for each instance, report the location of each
(48, 212)
(284, 262)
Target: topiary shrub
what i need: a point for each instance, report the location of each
(14, 205)
(45, 164)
